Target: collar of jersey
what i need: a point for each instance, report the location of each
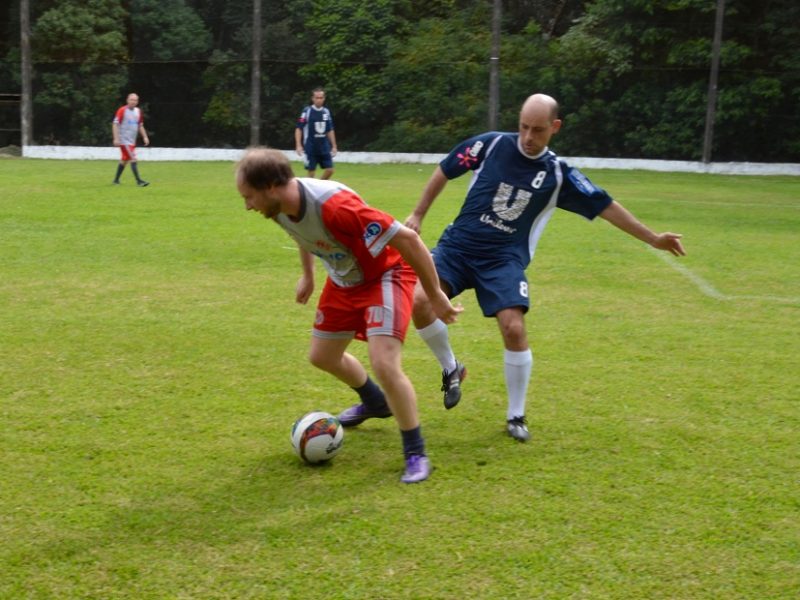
(538, 156)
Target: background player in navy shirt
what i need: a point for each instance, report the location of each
(517, 184)
(314, 135)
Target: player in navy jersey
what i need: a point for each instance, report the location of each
(517, 183)
(314, 136)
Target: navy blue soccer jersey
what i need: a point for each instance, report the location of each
(512, 196)
(315, 123)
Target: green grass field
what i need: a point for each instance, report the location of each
(152, 362)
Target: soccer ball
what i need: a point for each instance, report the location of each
(317, 436)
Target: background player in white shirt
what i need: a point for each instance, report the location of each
(128, 123)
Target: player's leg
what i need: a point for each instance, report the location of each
(386, 323)
(124, 158)
(434, 332)
(120, 169)
(329, 355)
(502, 291)
(326, 162)
(338, 324)
(139, 181)
(310, 162)
(518, 364)
(135, 168)
(385, 357)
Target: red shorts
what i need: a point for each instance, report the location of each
(128, 152)
(380, 308)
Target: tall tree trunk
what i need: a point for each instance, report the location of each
(26, 105)
(494, 66)
(711, 111)
(255, 77)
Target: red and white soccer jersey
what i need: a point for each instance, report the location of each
(370, 288)
(128, 121)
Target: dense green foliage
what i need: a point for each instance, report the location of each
(408, 75)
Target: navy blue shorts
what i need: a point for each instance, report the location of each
(324, 159)
(498, 282)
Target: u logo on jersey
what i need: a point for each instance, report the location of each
(506, 207)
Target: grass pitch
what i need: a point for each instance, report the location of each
(152, 362)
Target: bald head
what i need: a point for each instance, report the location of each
(538, 122)
(540, 104)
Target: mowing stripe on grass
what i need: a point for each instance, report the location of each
(708, 289)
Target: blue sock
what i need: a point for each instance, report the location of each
(413, 442)
(371, 395)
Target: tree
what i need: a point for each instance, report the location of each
(635, 78)
(79, 53)
(170, 47)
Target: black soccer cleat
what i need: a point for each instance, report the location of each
(518, 429)
(451, 385)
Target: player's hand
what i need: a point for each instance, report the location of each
(299, 151)
(304, 289)
(671, 242)
(334, 151)
(413, 222)
(146, 141)
(444, 309)
(117, 144)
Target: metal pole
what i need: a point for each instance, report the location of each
(255, 78)
(711, 110)
(494, 66)
(26, 105)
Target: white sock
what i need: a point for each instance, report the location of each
(518, 367)
(435, 336)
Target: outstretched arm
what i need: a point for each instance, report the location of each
(432, 189)
(410, 246)
(620, 217)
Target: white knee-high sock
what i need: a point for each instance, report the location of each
(436, 337)
(518, 367)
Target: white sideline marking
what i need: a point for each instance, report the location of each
(708, 289)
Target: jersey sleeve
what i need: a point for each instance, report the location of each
(119, 115)
(579, 195)
(302, 119)
(330, 121)
(466, 156)
(358, 225)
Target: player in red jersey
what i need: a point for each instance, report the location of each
(373, 262)
(128, 123)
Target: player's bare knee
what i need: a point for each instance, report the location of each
(321, 360)
(514, 334)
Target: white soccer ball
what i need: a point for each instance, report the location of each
(317, 436)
